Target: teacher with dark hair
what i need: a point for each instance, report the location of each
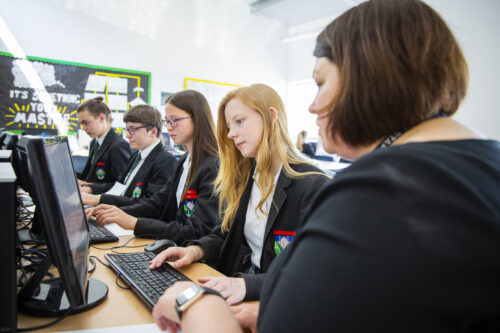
(407, 239)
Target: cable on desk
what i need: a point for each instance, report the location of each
(116, 281)
(102, 263)
(25, 329)
(28, 261)
(24, 216)
(92, 268)
(113, 248)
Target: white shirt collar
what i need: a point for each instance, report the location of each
(100, 140)
(146, 151)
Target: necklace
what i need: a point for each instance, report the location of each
(389, 140)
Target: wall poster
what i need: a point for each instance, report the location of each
(213, 91)
(68, 84)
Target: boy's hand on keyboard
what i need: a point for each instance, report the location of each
(81, 182)
(105, 214)
(232, 289)
(90, 199)
(182, 255)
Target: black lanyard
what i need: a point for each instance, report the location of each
(389, 140)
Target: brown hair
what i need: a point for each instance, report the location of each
(204, 141)
(145, 114)
(95, 106)
(398, 63)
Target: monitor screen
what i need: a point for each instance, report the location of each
(20, 157)
(63, 219)
(70, 206)
(20, 165)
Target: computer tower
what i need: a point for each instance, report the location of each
(5, 156)
(8, 293)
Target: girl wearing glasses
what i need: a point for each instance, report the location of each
(264, 186)
(186, 208)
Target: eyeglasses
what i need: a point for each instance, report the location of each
(173, 122)
(131, 130)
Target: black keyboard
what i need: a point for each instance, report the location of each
(148, 284)
(99, 234)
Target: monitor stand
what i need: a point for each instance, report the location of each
(35, 233)
(47, 298)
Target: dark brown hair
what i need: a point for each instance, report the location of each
(95, 106)
(145, 114)
(399, 65)
(204, 141)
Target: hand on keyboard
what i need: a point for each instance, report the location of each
(107, 213)
(182, 255)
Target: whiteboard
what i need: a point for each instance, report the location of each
(213, 91)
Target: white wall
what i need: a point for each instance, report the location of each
(476, 25)
(216, 40)
(220, 40)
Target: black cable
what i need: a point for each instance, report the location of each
(116, 281)
(123, 245)
(92, 268)
(33, 256)
(25, 329)
(102, 263)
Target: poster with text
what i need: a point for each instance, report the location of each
(67, 84)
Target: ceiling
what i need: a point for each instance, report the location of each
(297, 12)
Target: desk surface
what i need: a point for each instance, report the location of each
(121, 307)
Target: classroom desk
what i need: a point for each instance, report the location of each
(121, 307)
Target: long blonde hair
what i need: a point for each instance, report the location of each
(236, 169)
(300, 140)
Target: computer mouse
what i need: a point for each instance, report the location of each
(159, 245)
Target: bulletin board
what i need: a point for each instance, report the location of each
(68, 84)
(213, 91)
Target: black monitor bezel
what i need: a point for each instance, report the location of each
(52, 221)
(9, 140)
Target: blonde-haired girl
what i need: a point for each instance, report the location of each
(264, 185)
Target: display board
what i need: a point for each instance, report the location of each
(213, 91)
(68, 84)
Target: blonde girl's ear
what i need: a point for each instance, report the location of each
(274, 113)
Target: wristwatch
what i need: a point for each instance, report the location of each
(190, 296)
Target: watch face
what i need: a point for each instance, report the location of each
(187, 294)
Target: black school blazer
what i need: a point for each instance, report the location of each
(154, 173)
(114, 153)
(161, 216)
(229, 252)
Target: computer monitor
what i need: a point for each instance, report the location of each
(20, 165)
(166, 139)
(8, 140)
(63, 221)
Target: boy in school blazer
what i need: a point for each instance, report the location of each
(148, 169)
(108, 153)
